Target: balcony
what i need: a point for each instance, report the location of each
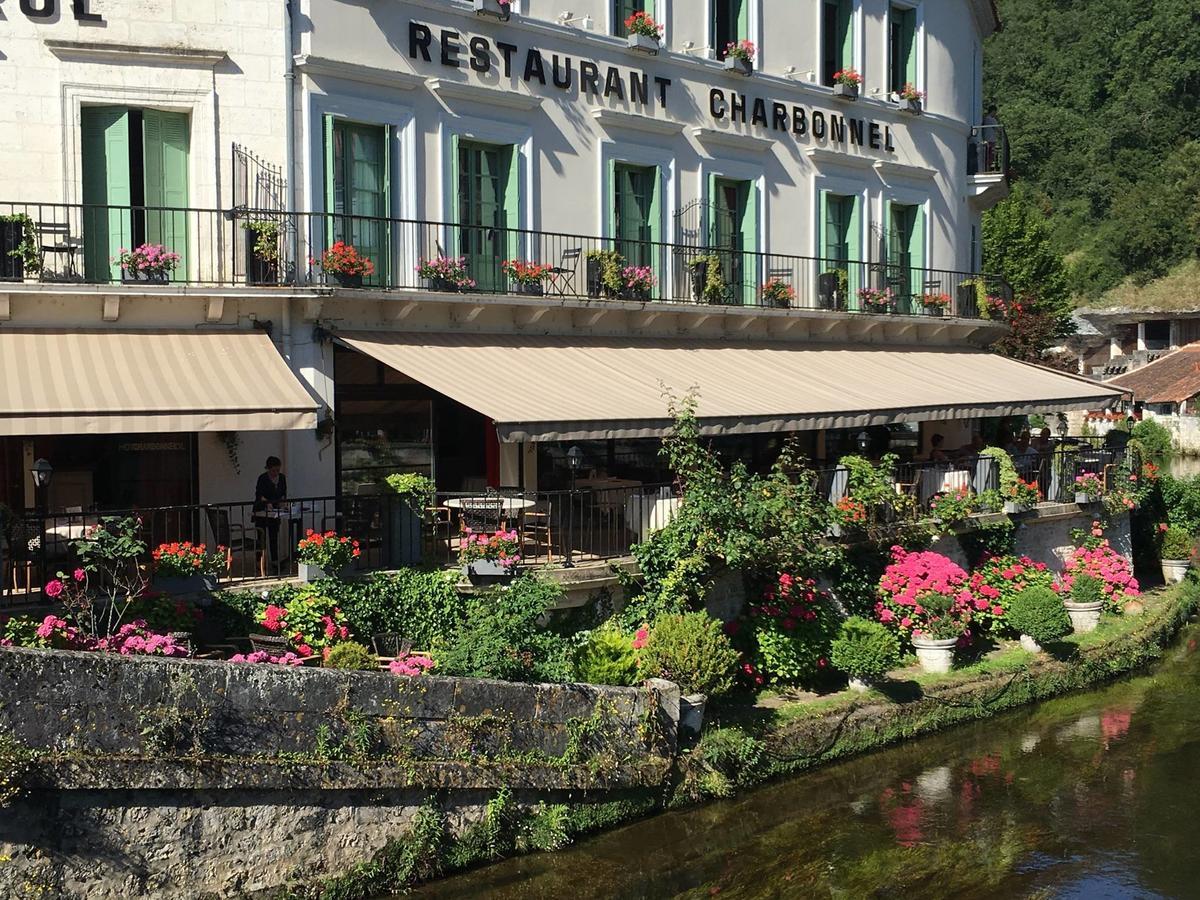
(75, 244)
(988, 165)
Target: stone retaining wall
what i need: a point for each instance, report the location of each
(182, 778)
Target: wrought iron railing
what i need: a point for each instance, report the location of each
(82, 244)
(988, 151)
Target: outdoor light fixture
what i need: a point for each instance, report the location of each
(41, 472)
(1062, 427)
(575, 458)
(864, 442)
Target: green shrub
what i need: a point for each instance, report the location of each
(1086, 589)
(1039, 612)
(607, 658)
(724, 758)
(690, 650)
(1153, 440)
(791, 650)
(351, 655)
(865, 649)
(1176, 544)
(1180, 498)
(422, 605)
(503, 636)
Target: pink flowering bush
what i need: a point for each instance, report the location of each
(136, 639)
(786, 637)
(410, 665)
(638, 279)
(51, 632)
(911, 580)
(264, 658)
(148, 259)
(1107, 566)
(312, 622)
(996, 581)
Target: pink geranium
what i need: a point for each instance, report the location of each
(1110, 568)
(915, 577)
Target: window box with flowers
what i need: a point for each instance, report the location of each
(637, 282)
(911, 100)
(346, 265)
(446, 274)
(186, 568)
(1088, 487)
(496, 9)
(739, 57)
(846, 84)
(1021, 496)
(325, 555)
(151, 263)
(935, 304)
(877, 300)
(526, 277)
(490, 558)
(645, 35)
(778, 294)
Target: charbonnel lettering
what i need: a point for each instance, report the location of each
(739, 109)
(533, 66)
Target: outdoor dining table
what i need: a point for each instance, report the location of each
(510, 505)
(943, 481)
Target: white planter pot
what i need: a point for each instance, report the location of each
(691, 714)
(1084, 616)
(493, 8)
(913, 107)
(1013, 508)
(846, 91)
(1028, 643)
(643, 43)
(935, 656)
(738, 65)
(307, 572)
(859, 686)
(1082, 499)
(1175, 570)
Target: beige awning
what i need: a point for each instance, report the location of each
(541, 388)
(58, 381)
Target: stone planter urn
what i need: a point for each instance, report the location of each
(691, 714)
(846, 91)
(936, 656)
(859, 685)
(643, 43)
(1175, 570)
(739, 66)
(493, 8)
(1084, 616)
(1028, 643)
(483, 572)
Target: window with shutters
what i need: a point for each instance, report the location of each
(902, 48)
(730, 23)
(135, 184)
(623, 9)
(634, 212)
(357, 190)
(734, 234)
(837, 38)
(487, 204)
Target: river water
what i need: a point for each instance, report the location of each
(1094, 795)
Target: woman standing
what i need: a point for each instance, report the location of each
(269, 494)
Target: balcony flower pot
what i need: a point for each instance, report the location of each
(637, 295)
(180, 585)
(912, 107)
(967, 300)
(739, 66)
(136, 276)
(643, 43)
(493, 8)
(699, 279)
(258, 270)
(12, 233)
(529, 288)
(1084, 616)
(1029, 644)
(1082, 499)
(483, 572)
(346, 280)
(309, 572)
(1013, 508)
(935, 311)
(595, 279)
(936, 656)
(846, 91)
(1175, 570)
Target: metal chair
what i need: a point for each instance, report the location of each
(389, 645)
(481, 515)
(235, 538)
(537, 530)
(561, 278)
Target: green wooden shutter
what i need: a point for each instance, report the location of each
(909, 48)
(331, 163)
(165, 170)
(610, 219)
(656, 208)
(854, 247)
(511, 160)
(750, 243)
(846, 32)
(916, 251)
(383, 266)
(104, 141)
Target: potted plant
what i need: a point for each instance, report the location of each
(937, 632)
(846, 84)
(1084, 603)
(1176, 554)
(262, 251)
(911, 99)
(637, 282)
(414, 494)
(151, 263)
(865, 651)
(187, 568)
(877, 300)
(604, 273)
(739, 57)
(527, 277)
(346, 265)
(832, 288)
(708, 280)
(993, 308)
(849, 516)
(645, 34)
(1039, 617)
(935, 304)
(1088, 487)
(490, 558)
(777, 294)
(20, 255)
(971, 295)
(446, 273)
(325, 555)
(1021, 496)
(496, 9)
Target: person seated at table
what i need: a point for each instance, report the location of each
(937, 452)
(1022, 448)
(972, 448)
(1042, 443)
(269, 494)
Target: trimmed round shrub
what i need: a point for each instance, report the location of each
(1039, 612)
(607, 658)
(690, 650)
(865, 649)
(351, 655)
(1176, 544)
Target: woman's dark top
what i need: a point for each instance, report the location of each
(265, 492)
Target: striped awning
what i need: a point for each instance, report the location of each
(546, 388)
(59, 381)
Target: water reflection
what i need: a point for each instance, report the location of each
(1090, 796)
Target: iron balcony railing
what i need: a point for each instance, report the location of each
(988, 151)
(82, 244)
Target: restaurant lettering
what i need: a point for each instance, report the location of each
(48, 9)
(447, 47)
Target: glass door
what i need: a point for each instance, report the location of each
(483, 186)
(634, 213)
(359, 192)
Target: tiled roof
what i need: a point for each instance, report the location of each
(1172, 379)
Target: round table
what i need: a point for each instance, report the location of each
(510, 505)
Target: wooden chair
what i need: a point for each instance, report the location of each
(561, 278)
(437, 527)
(20, 554)
(537, 530)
